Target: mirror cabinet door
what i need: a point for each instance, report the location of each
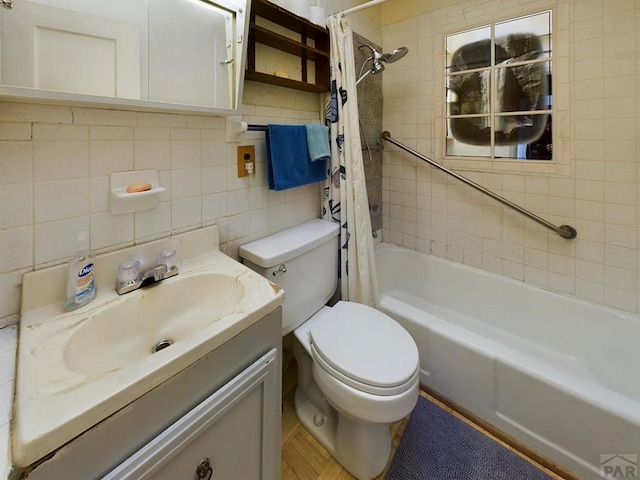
(190, 66)
(151, 52)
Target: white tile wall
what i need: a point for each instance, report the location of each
(55, 163)
(593, 183)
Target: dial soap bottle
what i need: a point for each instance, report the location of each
(81, 280)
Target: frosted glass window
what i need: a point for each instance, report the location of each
(498, 90)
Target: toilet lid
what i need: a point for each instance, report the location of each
(365, 345)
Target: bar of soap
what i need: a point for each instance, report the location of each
(138, 187)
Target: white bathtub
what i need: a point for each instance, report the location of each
(557, 373)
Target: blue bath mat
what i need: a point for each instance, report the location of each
(438, 446)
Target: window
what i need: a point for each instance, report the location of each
(498, 90)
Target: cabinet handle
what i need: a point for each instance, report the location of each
(204, 470)
(7, 3)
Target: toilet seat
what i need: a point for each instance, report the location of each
(372, 389)
(365, 349)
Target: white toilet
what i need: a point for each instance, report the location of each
(357, 367)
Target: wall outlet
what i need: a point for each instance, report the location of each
(246, 160)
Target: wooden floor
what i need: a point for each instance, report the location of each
(305, 459)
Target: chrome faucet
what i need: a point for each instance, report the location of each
(130, 278)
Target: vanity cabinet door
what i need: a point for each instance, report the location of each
(232, 434)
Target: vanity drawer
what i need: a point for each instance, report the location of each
(228, 435)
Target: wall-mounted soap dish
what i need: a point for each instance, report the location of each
(124, 202)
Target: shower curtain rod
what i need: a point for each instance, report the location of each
(349, 11)
(564, 231)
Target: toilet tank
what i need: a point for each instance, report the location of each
(304, 262)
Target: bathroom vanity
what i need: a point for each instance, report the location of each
(94, 401)
(224, 409)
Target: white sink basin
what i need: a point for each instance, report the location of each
(133, 327)
(77, 368)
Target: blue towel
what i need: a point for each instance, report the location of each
(318, 141)
(288, 162)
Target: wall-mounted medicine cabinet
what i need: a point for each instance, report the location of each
(172, 55)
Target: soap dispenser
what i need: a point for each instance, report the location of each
(81, 281)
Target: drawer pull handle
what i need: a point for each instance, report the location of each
(204, 470)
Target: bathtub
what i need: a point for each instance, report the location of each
(559, 374)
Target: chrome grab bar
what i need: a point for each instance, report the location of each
(564, 231)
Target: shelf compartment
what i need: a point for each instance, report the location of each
(318, 54)
(287, 19)
(285, 82)
(271, 39)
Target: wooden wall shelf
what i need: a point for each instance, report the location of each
(319, 53)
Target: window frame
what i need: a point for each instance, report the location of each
(493, 114)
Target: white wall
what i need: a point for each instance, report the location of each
(592, 183)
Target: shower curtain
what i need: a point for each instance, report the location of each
(345, 194)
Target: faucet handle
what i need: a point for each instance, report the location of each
(128, 272)
(168, 258)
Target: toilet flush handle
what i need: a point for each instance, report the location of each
(281, 269)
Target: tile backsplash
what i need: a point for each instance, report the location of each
(55, 163)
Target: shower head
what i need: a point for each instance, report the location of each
(378, 59)
(394, 56)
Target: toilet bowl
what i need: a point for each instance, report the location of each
(364, 362)
(358, 369)
(354, 383)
